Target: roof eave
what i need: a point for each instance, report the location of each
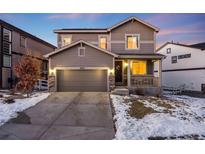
(79, 31)
(77, 42)
(137, 19)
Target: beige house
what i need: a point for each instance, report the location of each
(102, 59)
(14, 43)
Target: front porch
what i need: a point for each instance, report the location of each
(137, 75)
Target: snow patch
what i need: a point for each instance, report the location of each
(8, 111)
(187, 119)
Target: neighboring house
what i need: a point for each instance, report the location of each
(101, 59)
(14, 43)
(184, 66)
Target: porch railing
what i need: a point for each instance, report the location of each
(144, 81)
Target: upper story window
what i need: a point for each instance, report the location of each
(81, 51)
(132, 41)
(168, 50)
(23, 41)
(174, 59)
(184, 56)
(103, 42)
(66, 39)
(6, 60)
(6, 47)
(6, 35)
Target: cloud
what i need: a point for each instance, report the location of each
(159, 18)
(187, 29)
(89, 16)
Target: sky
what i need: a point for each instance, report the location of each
(181, 28)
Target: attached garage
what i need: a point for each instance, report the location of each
(81, 66)
(82, 80)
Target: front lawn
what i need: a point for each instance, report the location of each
(169, 117)
(17, 103)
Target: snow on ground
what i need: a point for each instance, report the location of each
(176, 117)
(8, 111)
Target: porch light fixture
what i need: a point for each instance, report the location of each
(125, 64)
(111, 71)
(51, 72)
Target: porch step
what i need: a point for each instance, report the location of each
(120, 91)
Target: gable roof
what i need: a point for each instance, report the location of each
(105, 30)
(199, 45)
(179, 44)
(136, 19)
(24, 33)
(78, 42)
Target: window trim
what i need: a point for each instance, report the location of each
(3, 34)
(99, 36)
(79, 48)
(10, 47)
(169, 51)
(25, 43)
(172, 59)
(67, 35)
(138, 36)
(9, 60)
(146, 65)
(184, 56)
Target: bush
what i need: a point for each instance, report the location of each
(28, 72)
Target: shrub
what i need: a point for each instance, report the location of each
(28, 72)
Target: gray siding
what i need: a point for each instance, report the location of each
(150, 67)
(36, 48)
(145, 32)
(92, 38)
(145, 48)
(92, 58)
(6, 73)
(116, 38)
(146, 38)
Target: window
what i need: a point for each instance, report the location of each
(132, 41)
(103, 42)
(184, 56)
(66, 39)
(7, 61)
(174, 59)
(6, 47)
(168, 50)
(81, 51)
(22, 41)
(6, 35)
(139, 67)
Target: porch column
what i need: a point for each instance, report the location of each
(160, 72)
(128, 74)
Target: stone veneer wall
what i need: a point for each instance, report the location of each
(111, 82)
(51, 83)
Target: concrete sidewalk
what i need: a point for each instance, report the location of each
(65, 115)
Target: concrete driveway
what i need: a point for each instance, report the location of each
(64, 115)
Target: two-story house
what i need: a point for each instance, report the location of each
(184, 66)
(14, 43)
(101, 59)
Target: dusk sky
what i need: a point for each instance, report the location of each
(182, 28)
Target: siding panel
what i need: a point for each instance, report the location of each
(145, 48)
(92, 58)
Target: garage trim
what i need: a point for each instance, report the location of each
(81, 68)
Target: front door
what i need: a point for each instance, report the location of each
(118, 72)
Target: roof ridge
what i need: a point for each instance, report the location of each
(115, 25)
(27, 33)
(180, 44)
